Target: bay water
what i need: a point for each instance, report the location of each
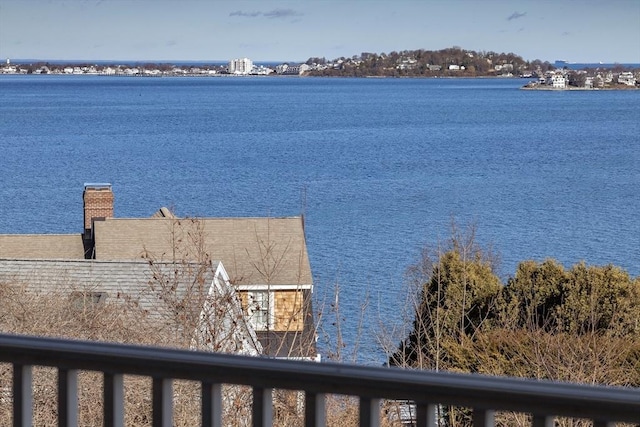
(379, 168)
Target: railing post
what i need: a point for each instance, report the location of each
(369, 412)
(483, 418)
(22, 396)
(162, 412)
(262, 407)
(211, 405)
(67, 397)
(113, 394)
(426, 415)
(543, 421)
(314, 410)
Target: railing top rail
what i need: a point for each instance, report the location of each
(532, 396)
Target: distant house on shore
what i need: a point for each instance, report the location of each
(265, 260)
(292, 69)
(627, 78)
(557, 80)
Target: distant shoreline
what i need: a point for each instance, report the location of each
(574, 88)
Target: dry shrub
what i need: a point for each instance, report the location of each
(5, 394)
(342, 410)
(236, 404)
(288, 408)
(66, 315)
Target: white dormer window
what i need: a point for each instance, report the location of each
(259, 310)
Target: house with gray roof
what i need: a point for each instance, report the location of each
(265, 258)
(192, 299)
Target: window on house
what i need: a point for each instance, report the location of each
(258, 310)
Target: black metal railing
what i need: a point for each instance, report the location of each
(544, 400)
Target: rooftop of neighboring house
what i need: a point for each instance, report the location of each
(258, 251)
(39, 246)
(255, 251)
(149, 292)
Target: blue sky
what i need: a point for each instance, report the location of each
(274, 30)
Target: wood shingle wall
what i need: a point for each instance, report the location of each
(288, 310)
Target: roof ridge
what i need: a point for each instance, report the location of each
(207, 218)
(103, 261)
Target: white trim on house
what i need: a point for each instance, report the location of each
(264, 287)
(240, 337)
(260, 313)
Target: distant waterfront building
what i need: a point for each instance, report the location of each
(8, 68)
(627, 78)
(240, 66)
(282, 68)
(557, 80)
(292, 69)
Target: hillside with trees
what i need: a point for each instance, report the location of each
(450, 62)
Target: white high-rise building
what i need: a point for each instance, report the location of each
(240, 66)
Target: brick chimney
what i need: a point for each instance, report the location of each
(98, 204)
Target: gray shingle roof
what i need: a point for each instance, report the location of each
(119, 279)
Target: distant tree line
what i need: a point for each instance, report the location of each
(453, 62)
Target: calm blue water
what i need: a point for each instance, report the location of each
(379, 166)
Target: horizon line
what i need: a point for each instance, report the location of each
(224, 61)
(153, 61)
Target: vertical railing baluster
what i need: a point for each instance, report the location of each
(211, 405)
(314, 410)
(162, 411)
(483, 418)
(113, 395)
(426, 415)
(603, 423)
(22, 390)
(67, 397)
(262, 407)
(369, 412)
(543, 421)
